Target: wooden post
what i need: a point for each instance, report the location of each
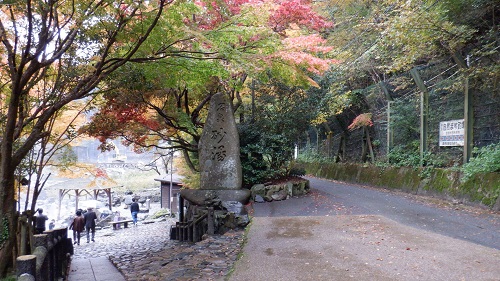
(364, 146)
(41, 247)
(181, 208)
(182, 226)
(108, 193)
(178, 231)
(195, 228)
(329, 144)
(369, 143)
(317, 139)
(189, 230)
(23, 222)
(424, 112)
(26, 265)
(468, 108)
(211, 221)
(390, 132)
(386, 91)
(329, 137)
(77, 198)
(468, 122)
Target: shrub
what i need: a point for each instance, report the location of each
(409, 156)
(297, 171)
(486, 160)
(311, 155)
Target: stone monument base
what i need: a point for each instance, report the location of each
(210, 197)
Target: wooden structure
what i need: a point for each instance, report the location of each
(49, 259)
(192, 226)
(116, 224)
(78, 191)
(82, 187)
(169, 192)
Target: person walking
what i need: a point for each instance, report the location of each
(90, 222)
(40, 220)
(77, 225)
(134, 210)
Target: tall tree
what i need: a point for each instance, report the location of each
(76, 44)
(215, 46)
(267, 140)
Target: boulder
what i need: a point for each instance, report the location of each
(277, 192)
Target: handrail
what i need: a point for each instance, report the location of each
(49, 257)
(194, 228)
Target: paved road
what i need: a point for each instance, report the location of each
(329, 198)
(347, 232)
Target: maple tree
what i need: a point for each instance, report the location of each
(381, 41)
(215, 48)
(52, 54)
(362, 120)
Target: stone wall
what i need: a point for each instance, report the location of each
(277, 192)
(442, 183)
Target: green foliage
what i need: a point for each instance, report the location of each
(267, 141)
(409, 156)
(419, 31)
(401, 156)
(297, 171)
(311, 155)
(191, 180)
(486, 160)
(4, 233)
(256, 151)
(405, 121)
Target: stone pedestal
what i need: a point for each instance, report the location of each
(211, 197)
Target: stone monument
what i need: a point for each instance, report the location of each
(219, 155)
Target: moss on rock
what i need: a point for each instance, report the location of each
(445, 183)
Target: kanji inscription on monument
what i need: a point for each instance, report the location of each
(219, 147)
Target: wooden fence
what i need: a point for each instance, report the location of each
(49, 258)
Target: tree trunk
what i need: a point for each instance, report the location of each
(8, 214)
(342, 147)
(364, 148)
(8, 221)
(188, 161)
(367, 146)
(329, 137)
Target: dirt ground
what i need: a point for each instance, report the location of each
(358, 247)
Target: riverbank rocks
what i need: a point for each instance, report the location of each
(278, 192)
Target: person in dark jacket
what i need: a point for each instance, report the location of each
(40, 220)
(134, 209)
(90, 221)
(78, 225)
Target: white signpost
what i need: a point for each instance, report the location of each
(451, 133)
